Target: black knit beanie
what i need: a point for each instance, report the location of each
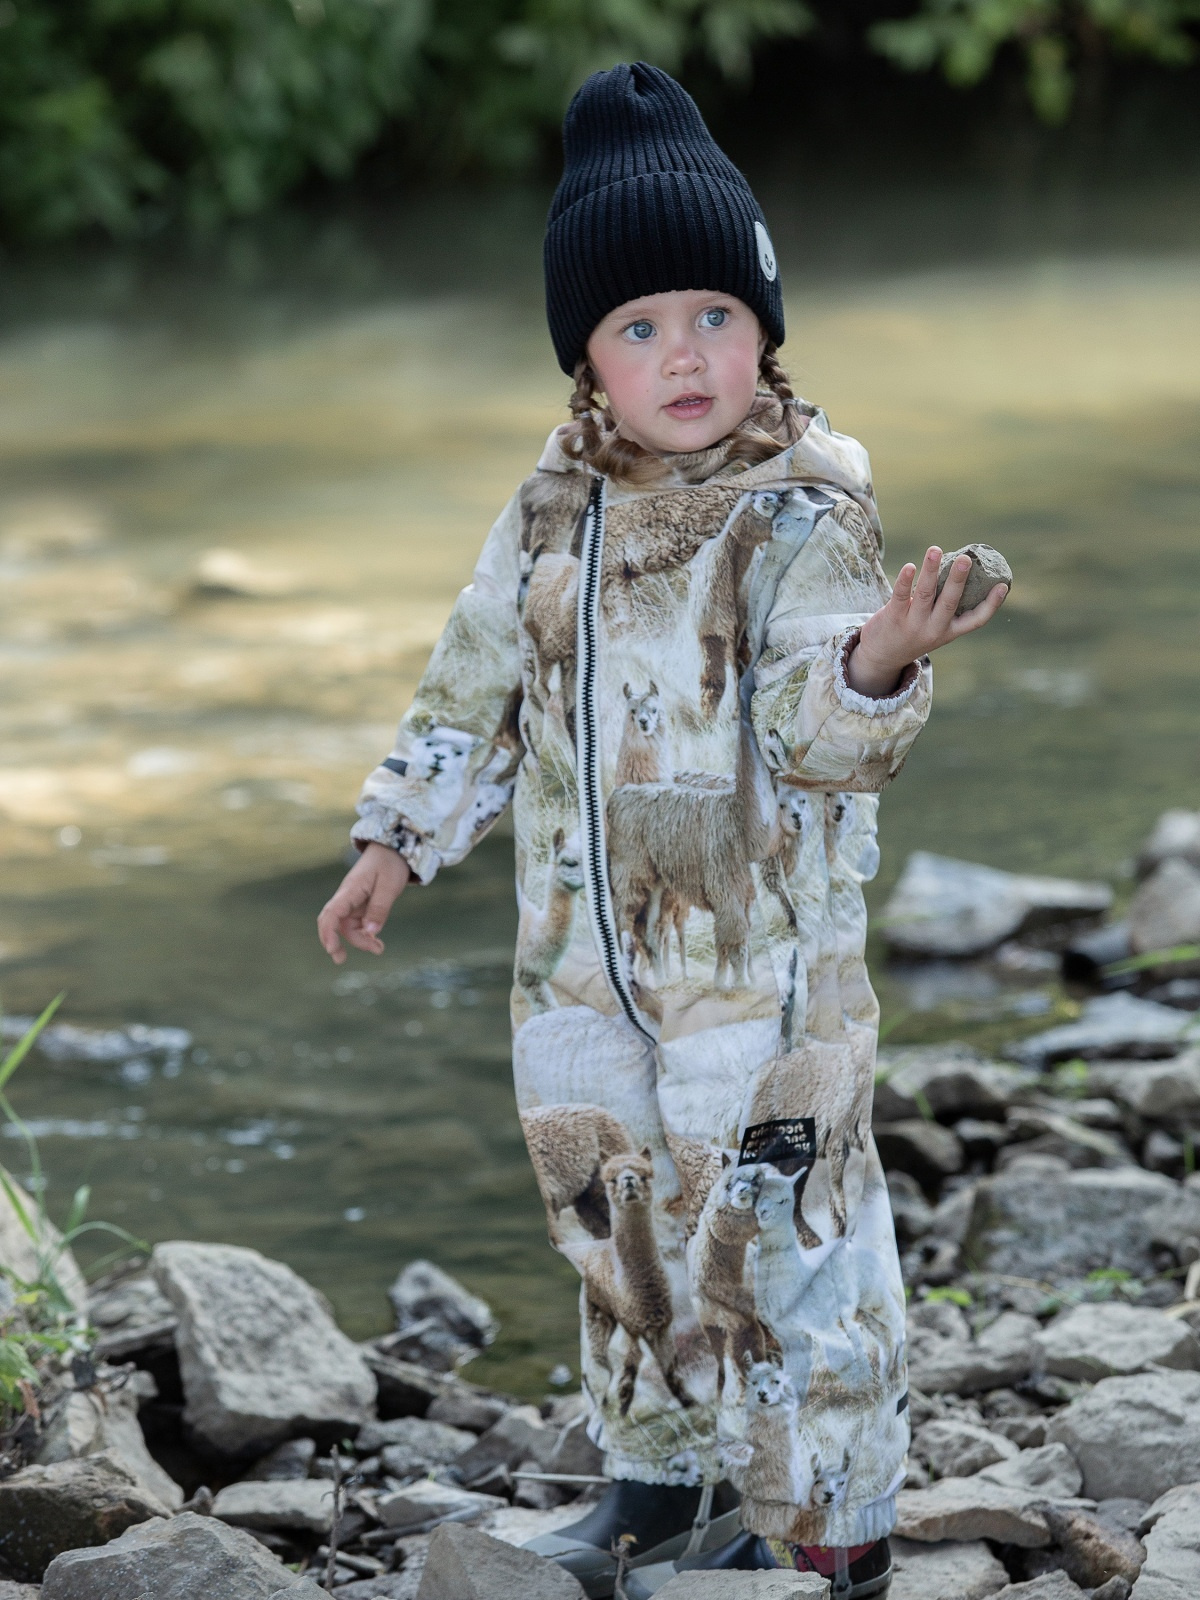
(648, 202)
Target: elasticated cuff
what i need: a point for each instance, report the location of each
(422, 858)
(870, 705)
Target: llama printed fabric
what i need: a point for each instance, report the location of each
(716, 1186)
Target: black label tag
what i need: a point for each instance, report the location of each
(788, 1139)
(902, 1403)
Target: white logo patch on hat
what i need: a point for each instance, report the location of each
(766, 252)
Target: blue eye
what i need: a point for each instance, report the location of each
(715, 317)
(639, 332)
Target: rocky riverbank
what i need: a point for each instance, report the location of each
(216, 1431)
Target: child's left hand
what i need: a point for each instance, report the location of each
(915, 621)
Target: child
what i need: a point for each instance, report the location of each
(681, 660)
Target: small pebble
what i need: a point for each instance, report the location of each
(988, 568)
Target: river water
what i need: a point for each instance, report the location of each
(338, 407)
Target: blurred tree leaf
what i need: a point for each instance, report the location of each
(963, 38)
(116, 113)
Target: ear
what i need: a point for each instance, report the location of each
(726, 1160)
(795, 1177)
(747, 1359)
(627, 691)
(653, 687)
(647, 1153)
(816, 1465)
(846, 1460)
(560, 839)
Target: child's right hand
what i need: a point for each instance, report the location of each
(360, 907)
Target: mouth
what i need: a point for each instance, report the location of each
(690, 406)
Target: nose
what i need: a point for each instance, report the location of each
(682, 358)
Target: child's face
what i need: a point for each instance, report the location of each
(679, 369)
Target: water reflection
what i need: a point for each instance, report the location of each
(235, 502)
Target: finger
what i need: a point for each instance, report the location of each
(331, 943)
(904, 582)
(952, 590)
(925, 589)
(378, 906)
(982, 613)
(361, 939)
(327, 931)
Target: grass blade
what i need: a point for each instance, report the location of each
(24, 1045)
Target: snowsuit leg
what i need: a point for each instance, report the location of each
(796, 1282)
(742, 1305)
(586, 1091)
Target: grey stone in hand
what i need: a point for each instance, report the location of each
(988, 568)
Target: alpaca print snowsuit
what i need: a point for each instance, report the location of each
(655, 677)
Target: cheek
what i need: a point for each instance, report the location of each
(626, 378)
(737, 370)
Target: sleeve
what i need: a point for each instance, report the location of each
(451, 772)
(814, 729)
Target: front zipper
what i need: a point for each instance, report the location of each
(587, 767)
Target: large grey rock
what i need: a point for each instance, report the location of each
(950, 1080)
(306, 1589)
(459, 1406)
(131, 1315)
(404, 1585)
(1137, 1436)
(944, 907)
(1175, 1224)
(956, 1449)
(441, 1323)
(1065, 1224)
(1172, 1536)
(1027, 1433)
(971, 1508)
(412, 1444)
(421, 1502)
(1164, 1088)
(925, 1150)
(519, 1436)
(19, 1591)
(46, 1510)
(1002, 1355)
(1059, 1133)
(574, 1452)
(1049, 1470)
(300, 1504)
(745, 1586)
(1165, 910)
(944, 1571)
(1092, 1553)
(1109, 1340)
(288, 1462)
(404, 1389)
(187, 1557)
(1051, 1586)
(988, 568)
(1111, 1025)
(23, 1259)
(260, 1356)
(465, 1564)
(88, 1422)
(911, 1212)
(1176, 834)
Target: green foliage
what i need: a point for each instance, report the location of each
(1176, 955)
(48, 1244)
(37, 1319)
(117, 112)
(1056, 38)
(950, 1296)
